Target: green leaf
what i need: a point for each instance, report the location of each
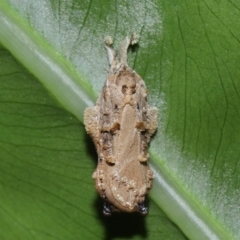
(45, 171)
(188, 56)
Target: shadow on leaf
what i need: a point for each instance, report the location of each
(120, 225)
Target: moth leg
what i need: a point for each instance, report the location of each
(124, 47)
(142, 208)
(109, 128)
(108, 131)
(147, 129)
(112, 55)
(150, 177)
(91, 119)
(143, 157)
(152, 122)
(107, 207)
(113, 127)
(142, 127)
(107, 147)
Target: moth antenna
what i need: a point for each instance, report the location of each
(112, 56)
(124, 47)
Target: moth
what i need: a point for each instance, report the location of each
(121, 125)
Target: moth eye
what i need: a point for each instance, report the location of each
(124, 89)
(133, 88)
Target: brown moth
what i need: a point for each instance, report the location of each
(121, 125)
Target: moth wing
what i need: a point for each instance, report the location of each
(91, 121)
(152, 120)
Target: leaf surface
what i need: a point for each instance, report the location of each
(188, 56)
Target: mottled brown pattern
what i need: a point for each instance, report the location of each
(121, 125)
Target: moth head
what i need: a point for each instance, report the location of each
(127, 84)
